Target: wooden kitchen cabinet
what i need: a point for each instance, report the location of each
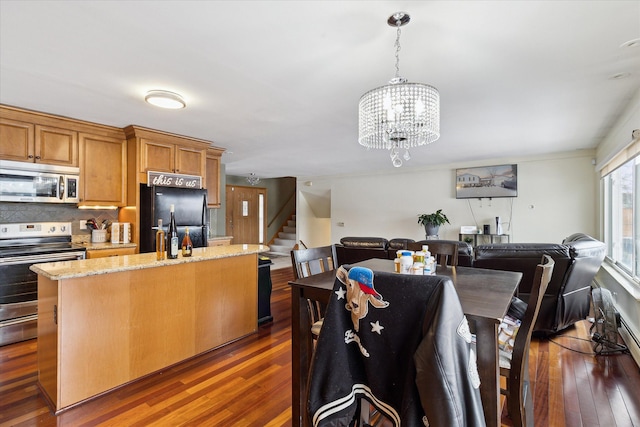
(213, 178)
(103, 170)
(191, 161)
(17, 140)
(103, 253)
(172, 158)
(157, 156)
(220, 241)
(120, 322)
(56, 146)
(153, 150)
(24, 141)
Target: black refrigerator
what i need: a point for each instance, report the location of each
(190, 211)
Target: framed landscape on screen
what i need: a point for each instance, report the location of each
(487, 182)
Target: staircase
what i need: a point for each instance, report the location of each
(286, 239)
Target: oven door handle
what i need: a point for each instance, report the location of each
(31, 259)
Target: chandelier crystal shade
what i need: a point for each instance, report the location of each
(253, 179)
(399, 115)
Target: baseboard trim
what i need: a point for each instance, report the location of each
(632, 342)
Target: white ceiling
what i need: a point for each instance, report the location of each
(277, 83)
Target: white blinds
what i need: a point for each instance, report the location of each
(626, 154)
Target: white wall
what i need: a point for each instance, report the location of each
(556, 197)
(312, 230)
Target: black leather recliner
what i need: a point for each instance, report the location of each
(568, 296)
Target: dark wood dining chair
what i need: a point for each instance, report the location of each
(516, 371)
(307, 262)
(444, 253)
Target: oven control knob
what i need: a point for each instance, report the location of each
(52, 229)
(63, 228)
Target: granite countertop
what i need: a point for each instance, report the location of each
(91, 246)
(90, 267)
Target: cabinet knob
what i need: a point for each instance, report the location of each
(30, 156)
(37, 157)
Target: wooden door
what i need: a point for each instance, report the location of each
(16, 140)
(103, 172)
(190, 161)
(56, 146)
(246, 214)
(213, 180)
(156, 156)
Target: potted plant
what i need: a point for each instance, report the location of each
(432, 222)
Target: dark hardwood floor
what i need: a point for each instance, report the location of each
(248, 383)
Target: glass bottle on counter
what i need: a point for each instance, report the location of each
(172, 236)
(187, 246)
(160, 242)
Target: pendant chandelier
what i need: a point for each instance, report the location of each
(253, 179)
(400, 115)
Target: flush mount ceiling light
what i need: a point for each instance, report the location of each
(399, 115)
(165, 99)
(631, 43)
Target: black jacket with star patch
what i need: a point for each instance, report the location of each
(418, 362)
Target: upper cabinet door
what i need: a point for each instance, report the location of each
(17, 140)
(157, 156)
(213, 180)
(103, 170)
(190, 161)
(56, 146)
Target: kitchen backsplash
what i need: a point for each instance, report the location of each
(44, 212)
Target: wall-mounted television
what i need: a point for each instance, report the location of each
(487, 182)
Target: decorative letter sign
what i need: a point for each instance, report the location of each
(162, 179)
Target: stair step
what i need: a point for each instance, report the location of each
(280, 250)
(291, 223)
(284, 242)
(289, 236)
(289, 229)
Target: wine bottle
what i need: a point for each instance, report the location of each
(172, 236)
(160, 255)
(187, 246)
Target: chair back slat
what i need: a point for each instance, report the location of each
(519, 398)
(307, 262)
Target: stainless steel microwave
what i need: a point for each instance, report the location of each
(37, 182)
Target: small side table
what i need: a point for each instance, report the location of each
(493, 238)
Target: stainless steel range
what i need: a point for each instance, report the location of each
(22, 245)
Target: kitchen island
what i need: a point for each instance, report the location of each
(106, 322)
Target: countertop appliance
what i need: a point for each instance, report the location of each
(21, 245)
(37, 182)
(190, 211)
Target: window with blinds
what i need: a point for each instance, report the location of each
(621, 221)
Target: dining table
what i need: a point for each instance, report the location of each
(484, 294)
